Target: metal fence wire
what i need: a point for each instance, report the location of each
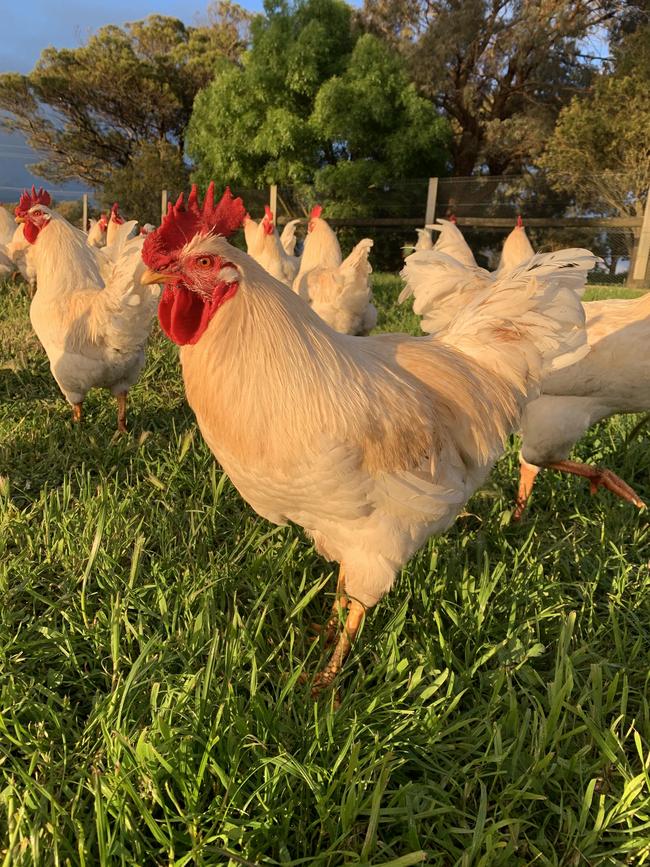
(486, 208)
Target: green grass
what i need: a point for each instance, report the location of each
(153, 629)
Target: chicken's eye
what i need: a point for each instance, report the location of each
(37, 213)
(204, 262)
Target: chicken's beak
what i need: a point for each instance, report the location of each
(21, 220)
(150, 276)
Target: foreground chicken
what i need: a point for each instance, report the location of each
(337, 289)
(371, 444)
(93, 331)
(612, 378)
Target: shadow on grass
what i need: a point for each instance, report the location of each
(33, 383)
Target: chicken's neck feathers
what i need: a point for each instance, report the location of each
(64, 261)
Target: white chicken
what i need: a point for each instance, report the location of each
(266, 248)
(7, 265)
(612, 378)
(94, 331)
(338, 290)
(371, 444)
(97, 232)
(516, 248)
(288, 237)
(20, 252)
(7, 226)
(114, 223)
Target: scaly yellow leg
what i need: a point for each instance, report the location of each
(325, 678)
(527, 475)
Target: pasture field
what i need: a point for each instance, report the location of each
(495, 711)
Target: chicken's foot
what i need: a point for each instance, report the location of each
(527, 475)
(76, 412)
(121, 411)
(598, 476)
(339, 605)
(325, 678)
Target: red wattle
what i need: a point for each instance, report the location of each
(184, 315)
(30, 231)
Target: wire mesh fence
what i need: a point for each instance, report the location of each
(486, 208)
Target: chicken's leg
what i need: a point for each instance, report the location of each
(527, 475)
(339, 605)
(76, 412)
(597, 477)
(121, 411)
(324, 678)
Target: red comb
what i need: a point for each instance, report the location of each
(268, 212)
(316, 211)
(452, 218)
(182, 223)
(520, 222)
(28, 200)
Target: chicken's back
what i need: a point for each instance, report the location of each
(614, 377)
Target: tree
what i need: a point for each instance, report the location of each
(501, 70)
(90, 110)
(153, 167)
(600, 150)
(327, 108)
(251, 125)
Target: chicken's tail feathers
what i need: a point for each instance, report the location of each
(124, 233)
(441, 286)
(288, 237)
(358, 258)
(452, 242)
(531, 319)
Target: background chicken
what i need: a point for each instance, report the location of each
(614, 377)
(97, 232)
(288, 237)
(93, 330)
(338, 290)
(516, 248)
(266, 248)
(7, 265)
(611, 378)
(374, 444)
(114, 223)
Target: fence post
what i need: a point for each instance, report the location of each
(163, 205)
(432, 195)
(273, 201)
(639, 264)
(84, 215)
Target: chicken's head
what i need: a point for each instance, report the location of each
(116, 217)
(182, 254)
(33, 210)
(316, 211)
(103, 222)
(267, 222)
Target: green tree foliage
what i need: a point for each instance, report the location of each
(501, 70)
(153, 167)
(313, 103)
(90, 110)
(600, 149)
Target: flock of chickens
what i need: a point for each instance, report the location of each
(370, 443)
